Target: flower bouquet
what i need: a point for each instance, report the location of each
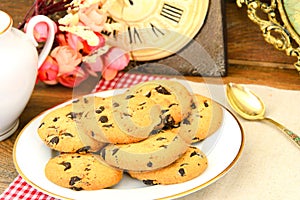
(79, 49)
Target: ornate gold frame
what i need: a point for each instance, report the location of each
(280, 34)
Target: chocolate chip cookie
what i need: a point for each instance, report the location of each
(81, 172)
(121, 119)
(59, 131)
(189, 166)
(174, 98)
(210, 116)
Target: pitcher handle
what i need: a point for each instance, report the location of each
(48, 45)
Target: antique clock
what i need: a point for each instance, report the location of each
(154, 29)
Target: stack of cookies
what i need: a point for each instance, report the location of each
(148, 131)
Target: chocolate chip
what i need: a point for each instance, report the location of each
(160, 89)
(169, 122)
(141, 104)
(154, 132)
(149, 182)
(127, 115)
(194, 154)
(54, 140)
(149, 164)
(75, 101)
(193, 105)
(85, 100)
(100, 109)
(184, 164)
(76, 188)
(181, 172)
(103, 119)
(107, 126)
(163, 146)
(116, 104)
(77, 156)
(71, 115)
(149, 94)
(161, 138)
(55, 119)
(68, 134)
(206, 104)
(74, 179)
(74, 115)
(83, 149)
(186, 121)
(200, 116)
(67, 165)
(115, 151)
(42, 124)
(103, 153)
(87, 169)
(129, 96)
(173, 104)
(164, 111)
(92, 133)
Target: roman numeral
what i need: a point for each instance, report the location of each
(134, 35)
(171, 12)
(110, 20)
(156, 30)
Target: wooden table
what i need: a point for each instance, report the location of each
(250, 60)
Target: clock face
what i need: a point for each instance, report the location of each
(153, 29)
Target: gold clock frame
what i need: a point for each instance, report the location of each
(280, 34)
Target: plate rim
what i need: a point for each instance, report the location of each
(177, 195)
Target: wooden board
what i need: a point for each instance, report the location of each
(206, 55)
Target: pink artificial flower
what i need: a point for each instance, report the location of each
(48, 72)
(109, 74)
(74, 41)
(93, 17)
(93, 67)
(73, 78)
(61, 39)
(67, 58)
(115, 59)
(89, 49)
(41, 31)
(78, 44)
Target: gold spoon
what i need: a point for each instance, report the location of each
(251, 107)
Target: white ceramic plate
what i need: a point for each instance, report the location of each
(223, 149)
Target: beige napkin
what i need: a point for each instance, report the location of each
(269, 167)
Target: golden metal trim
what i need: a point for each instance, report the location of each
(9, 24)
(280, 34)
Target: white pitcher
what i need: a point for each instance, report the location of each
(19, 62)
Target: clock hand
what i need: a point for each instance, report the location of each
(128, 2)
(131, 2)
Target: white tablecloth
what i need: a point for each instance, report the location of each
(269, 167)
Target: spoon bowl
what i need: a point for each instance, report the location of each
(245, 102)
(249, 106)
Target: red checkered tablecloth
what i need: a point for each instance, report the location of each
(124, 80)
(20, 189)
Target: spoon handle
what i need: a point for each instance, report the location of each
(291, 135)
